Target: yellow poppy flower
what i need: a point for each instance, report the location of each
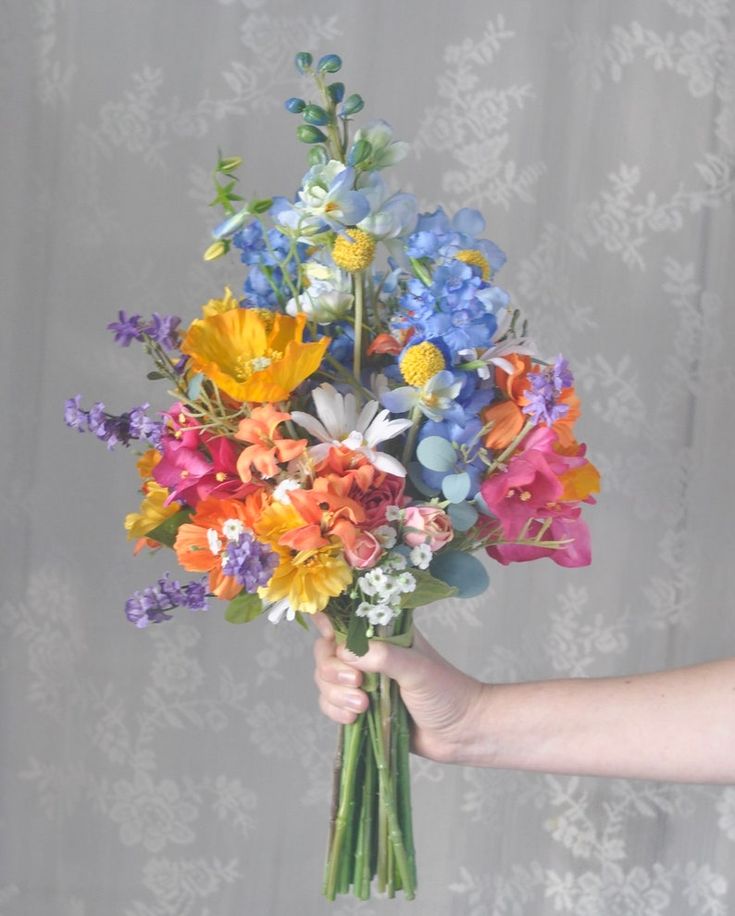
(247, 360)
(217, 306)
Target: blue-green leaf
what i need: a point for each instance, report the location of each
(456, 486)
(414, 475)
(436, 454)
(463, 570)
(463, 516)
(194, 388)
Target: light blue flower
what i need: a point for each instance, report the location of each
(385, 150)
(435, 399)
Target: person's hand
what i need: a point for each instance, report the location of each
(443, 702)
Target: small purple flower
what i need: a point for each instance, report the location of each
(249, 562)
(74, 416)
(163, 329)
(97, 421)
(126, 329)
(143, 427)
(546, 386)
(152, 604)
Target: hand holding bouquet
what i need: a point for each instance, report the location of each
(347, 434)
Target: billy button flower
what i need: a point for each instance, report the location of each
(421, 362)
(475, 259)
(354, 250)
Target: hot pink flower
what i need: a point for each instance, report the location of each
(191, 475)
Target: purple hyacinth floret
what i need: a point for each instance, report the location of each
(163, 329)
(546, 386)
(126, 329)
(151, 605)
(74, 416)
(249, 562)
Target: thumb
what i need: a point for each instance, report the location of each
(405, 666)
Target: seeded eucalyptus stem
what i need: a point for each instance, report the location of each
(358, 289)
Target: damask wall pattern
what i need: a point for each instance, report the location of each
(185, 770)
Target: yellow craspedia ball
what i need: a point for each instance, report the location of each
(475, 259)
(354, 253)
(421, 362)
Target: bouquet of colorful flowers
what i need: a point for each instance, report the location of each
(347, 435)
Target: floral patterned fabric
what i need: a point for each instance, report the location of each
(184, 771)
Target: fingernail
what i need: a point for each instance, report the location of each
(347, 677)
(354, 702)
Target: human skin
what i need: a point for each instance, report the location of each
(676, 725)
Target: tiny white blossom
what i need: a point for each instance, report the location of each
(373, 581)
(233, 528)
(280, 493)
(393, 513)
(215, 544)
(395, 562)
(421, 556)
(381, 614)
(406, 583)
(363, 609)
(386, 535)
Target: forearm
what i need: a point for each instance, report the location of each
(675, 725)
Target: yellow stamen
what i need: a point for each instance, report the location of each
(475, 259)
(422, 362)
(354, 253)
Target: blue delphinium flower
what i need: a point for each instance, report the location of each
(268, 256)
(152, 604)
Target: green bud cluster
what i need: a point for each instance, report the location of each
(325, 122)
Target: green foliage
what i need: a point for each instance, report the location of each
(428, 589)
(166, 532)
(244, 608)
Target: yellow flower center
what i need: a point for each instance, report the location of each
(267, 318)
(475, 259)
(421, 362)
(354, 253)
(244, 368)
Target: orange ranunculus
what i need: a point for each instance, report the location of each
(250, 362)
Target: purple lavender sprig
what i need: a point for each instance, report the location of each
(249, 562)
(134, 425)
(152, 604)
(546, 387)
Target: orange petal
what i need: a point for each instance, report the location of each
(507, 421)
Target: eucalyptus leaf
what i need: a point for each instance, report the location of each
(357, 640)
(463, 516)
(166, 532)
(428, 589)
(414, 475)
(456, 486)
(436, 454)
(462, 570)
(244, 608)
(194, 388)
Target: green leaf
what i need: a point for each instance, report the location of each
(155, 376)
(463, 516)
(456, 486)
(436, 454)
(244, 608)
(166, 532)
(462, 570)
(414, 475)
(428, 589)
(357, 640)
(301, 622)
(421, 272)
(262, 205)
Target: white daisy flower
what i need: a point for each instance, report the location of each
(339, 424)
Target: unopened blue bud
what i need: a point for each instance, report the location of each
(330, 63)
(307, 133)
(336, 91)
(315, 114)
(295, 106)
(318, 156)
(303, 61)
(359, 152)
(352, 104)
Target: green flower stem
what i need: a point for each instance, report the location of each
(358, 290)
(506, 453)
(403, 746)
(411, 437)
(352, 743)
(388, 799)
(363, 852)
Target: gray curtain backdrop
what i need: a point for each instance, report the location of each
(184, 770)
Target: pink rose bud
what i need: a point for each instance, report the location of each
(427, 525)
(365, 552)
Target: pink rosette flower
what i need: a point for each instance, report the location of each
(427, 525)
(364, 552)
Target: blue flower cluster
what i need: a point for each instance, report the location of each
(151, 605)
(131, 426)
(270, 257)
